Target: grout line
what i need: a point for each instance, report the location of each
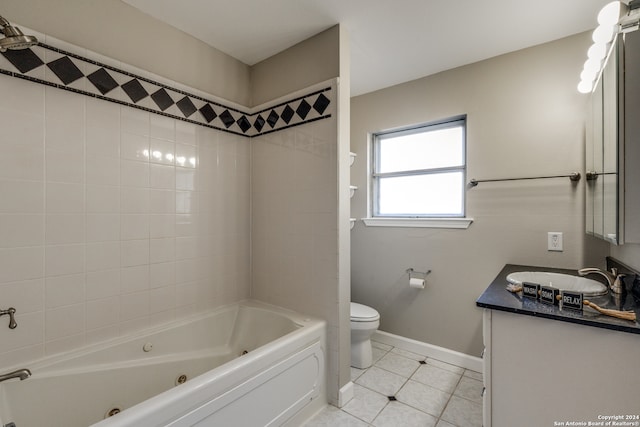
(444, 408)
(439, 417)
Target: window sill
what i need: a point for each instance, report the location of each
(460, 223)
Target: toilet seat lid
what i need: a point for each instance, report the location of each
(363, 313)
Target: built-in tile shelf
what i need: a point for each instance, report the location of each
(352, 188)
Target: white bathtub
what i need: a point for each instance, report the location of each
(279, 381)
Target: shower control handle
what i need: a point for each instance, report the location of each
(12, 318)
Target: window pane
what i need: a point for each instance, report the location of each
(422, 195)
(423, 150)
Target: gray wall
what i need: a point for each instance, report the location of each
(120, 31)
(524, 118)
(628, 254)
(297, 67)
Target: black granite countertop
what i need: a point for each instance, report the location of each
(496, 297)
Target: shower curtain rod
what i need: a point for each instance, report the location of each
(574, 177)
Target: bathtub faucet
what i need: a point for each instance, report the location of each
(23, 374)
(12, 319)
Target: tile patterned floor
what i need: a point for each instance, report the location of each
(404, 389)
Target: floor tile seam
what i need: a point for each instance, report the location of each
(395, 354)
(421, 410)
(395, 373)
(446, 364)
(376, 391)
(378, 359)
(425, 412)
(473, 379)
(353, 380)
(457, 383)
(422, 357)
(378, 414)
(363, 420)
(464, 398)
(444, 408)
(436, 388)
(404, 357)
(382, 349)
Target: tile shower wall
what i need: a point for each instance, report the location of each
(294, 225)
(112, 219)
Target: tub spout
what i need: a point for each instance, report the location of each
(22, 374)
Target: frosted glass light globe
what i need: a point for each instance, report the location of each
(585, 86)
(611, 13)
(603, 34)
(593, 65)
(597, 51)
(588, 75)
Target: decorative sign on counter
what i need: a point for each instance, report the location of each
(530, 290)
(571, 300)
(549, 295)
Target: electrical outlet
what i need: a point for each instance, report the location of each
(554, 241)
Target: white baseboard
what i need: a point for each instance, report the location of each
(345, 394)
(429, 350)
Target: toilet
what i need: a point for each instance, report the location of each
(364, 322)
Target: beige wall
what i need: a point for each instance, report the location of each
(311, 61)
(524, 118)
(120, 31)
(629, 254)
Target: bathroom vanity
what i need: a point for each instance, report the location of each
(544, 366)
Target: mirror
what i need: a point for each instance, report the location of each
(613, 141)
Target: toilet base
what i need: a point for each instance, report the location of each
(361, 354)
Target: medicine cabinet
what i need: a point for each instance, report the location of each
(613, 146)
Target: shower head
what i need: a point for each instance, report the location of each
(14, 38)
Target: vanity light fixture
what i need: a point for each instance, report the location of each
(608, 26)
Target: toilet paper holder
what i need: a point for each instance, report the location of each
(417, 279)
(420, 274)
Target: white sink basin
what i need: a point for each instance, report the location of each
(565, 282)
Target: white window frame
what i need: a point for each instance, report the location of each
(412, 220)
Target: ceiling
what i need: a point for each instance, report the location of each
(392, 41)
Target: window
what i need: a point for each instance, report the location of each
(419, 172)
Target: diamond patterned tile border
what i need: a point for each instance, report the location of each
(67, 69)
(102, 80)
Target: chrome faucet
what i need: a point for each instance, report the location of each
(614, 280)
(23, 374)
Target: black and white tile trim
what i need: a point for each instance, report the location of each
(50, 66)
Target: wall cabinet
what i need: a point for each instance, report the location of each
(613, 146)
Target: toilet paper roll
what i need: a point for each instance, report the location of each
(416, 283)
